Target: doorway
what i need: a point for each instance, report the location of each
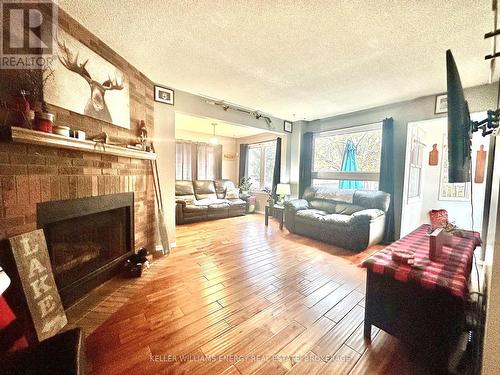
(425, 183)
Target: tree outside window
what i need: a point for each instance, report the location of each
(260, 164)
(329, 152)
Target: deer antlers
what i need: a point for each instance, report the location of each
(67, 58)
(113, 84)
(71, 62)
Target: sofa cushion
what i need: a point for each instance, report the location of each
(191, 208)
(184, 187)
(222, 186)
(218, 210)
(310, 214)
(347, 209)
(204, 189)
(323, 205)
(184, 190)
(237, 207)
(236, 202)
(372, 199)
(295, 205)
(328, 193)
(337, 220)
(371, 213)
(186, 199)
(209, 201)
(219, 206)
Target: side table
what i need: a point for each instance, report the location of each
(276, 211)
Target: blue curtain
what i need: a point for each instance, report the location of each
(305, 168)
(386, 181)
(277, 167)
(350, 164)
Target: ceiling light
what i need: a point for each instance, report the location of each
(214, 140)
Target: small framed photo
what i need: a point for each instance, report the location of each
(288, 126)
(441, 104)
(164, 95)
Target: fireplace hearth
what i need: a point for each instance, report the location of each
(88, 240)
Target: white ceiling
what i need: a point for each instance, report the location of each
(305, 58)
(204, 125)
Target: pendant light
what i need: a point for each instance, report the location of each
(214, 140)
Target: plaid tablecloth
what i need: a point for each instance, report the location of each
(450, 272)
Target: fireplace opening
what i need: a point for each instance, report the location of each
(88, 240)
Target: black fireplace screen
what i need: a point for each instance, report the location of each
(82, 245)
(88, 240)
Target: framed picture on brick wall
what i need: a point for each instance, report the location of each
(164, 95)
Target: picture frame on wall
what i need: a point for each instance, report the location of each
(229, 156)
(86, 83)
(164, 95)
(288, 126)
(441, 105)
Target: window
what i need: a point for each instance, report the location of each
(447, 191)
(348, 158)
(197, 161)
(260, 164)
(183, 167)
(416, 162)
(206, 163)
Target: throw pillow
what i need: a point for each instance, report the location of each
(233, 194)
(439, 218)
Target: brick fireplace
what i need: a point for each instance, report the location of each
(33, 174)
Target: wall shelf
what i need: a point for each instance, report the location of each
(21, 135)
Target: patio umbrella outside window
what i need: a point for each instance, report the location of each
(349, 164)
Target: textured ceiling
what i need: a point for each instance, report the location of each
(305, 58)
(204, 125)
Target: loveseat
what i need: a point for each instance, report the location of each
(353, 220)
(201, 200)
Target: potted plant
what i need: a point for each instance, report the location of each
(245, 186)
(23, 96)
(451, 230)
(270, 198)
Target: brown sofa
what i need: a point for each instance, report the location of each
(350, 219)
(202, 200)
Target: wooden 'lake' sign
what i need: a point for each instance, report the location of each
(40, 290)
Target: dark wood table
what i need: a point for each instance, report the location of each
(276, 211)
(422, 307)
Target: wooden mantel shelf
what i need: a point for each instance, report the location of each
(21, 135)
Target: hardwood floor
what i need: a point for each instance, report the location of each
(235, 293)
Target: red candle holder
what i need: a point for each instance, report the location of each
(44, 122)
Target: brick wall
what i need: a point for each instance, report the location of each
(33, 174)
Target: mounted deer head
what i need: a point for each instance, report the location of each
(96, 105)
